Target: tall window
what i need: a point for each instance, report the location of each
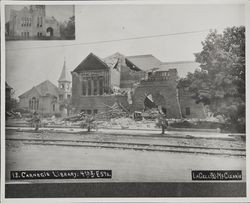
(89, 87)
(95, 87)
(101, 86)
(54, 107)
(84, 87)
(34, 103)
(37, 21)
(30, 104)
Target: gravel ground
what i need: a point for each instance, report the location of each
(126, 165)
(168, 140)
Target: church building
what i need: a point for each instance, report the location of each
(47, 98)
(32, 22)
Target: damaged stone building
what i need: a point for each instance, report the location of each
(32, 22)
(137, 83)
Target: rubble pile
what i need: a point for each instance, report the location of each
(150, 114)
(115, 111)
(78, 117)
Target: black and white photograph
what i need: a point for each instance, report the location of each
(40, 22)
(148, 100)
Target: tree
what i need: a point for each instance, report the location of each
(221, 81)
(67, 29)
(10, 102)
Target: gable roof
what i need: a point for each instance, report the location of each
(182, 67)
(64, 77)
(91, 62)
(43, 89)
(115, 61)
(144, 62)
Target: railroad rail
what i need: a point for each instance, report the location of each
(134, 146)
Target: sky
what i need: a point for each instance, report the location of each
(29, 63)
(60, 12)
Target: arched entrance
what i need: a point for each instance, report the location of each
(164, 98)
(155, 102)
(50, 31)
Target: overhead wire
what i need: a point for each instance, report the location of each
(112, 40)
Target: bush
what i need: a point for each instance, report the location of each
(58, 115)
(197, 125)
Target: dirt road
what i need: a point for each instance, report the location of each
(126, 165)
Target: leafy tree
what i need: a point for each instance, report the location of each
(11, 103)
(67, 29)
(221, 81)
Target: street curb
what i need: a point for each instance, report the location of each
(232, 138)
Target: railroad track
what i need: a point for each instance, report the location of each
(134, 146)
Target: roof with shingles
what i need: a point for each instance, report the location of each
(144, 62)
(91, 62)
(43, 89)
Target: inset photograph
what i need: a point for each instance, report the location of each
(40, 22)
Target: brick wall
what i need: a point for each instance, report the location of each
(166, 89)
(93, 102)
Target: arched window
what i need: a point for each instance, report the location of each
(34, 103)
(37, 21)
(37, 103)
(30, 104)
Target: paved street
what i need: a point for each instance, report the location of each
(31, 151)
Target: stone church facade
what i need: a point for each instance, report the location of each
(130, 81)
(47, 98)
(32, 22)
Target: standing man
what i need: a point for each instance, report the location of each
(36, 121)
(163, 122)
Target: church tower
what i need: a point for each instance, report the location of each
(64, 84)
(38, 9)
